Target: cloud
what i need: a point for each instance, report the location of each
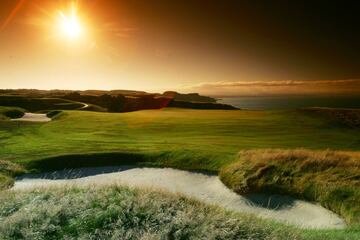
(277, 83)
(276, 87)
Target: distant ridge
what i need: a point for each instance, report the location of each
(189, 97)
(104, 100)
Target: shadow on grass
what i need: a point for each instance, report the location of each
(180, 160)
(89, 160)
(270, 201)
(74, 173)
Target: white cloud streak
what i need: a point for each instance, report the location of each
(275, 87)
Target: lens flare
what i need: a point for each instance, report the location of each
(69, 23)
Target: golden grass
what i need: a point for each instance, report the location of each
(331, 178)
(117, 212)
(7, 171)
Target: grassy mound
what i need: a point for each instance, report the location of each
(329, 177)
(121, 213)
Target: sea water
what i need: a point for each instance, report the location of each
(292, 102)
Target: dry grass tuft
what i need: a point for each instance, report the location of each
(10, 168)
(7, 171)
(329, 177)
(117, 212)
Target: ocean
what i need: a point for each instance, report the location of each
(292, 102)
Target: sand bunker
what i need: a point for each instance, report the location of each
(204, 187)
(33, 117)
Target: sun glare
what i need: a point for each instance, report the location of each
(69, 23)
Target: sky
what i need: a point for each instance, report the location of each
(224, 48)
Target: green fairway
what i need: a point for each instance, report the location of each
(217, 135)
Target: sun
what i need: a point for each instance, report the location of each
(69, 24)
(71, 27)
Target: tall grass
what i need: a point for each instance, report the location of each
(331, 178)
(117, 212)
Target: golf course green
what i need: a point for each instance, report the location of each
(212, 140)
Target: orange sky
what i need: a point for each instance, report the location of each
(158, 46)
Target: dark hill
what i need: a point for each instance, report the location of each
(200, 105)
(190, 97)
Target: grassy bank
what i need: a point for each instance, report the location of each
(122, 213)
(328, 177)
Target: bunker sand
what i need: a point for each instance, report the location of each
(33, 117)
(204, 187)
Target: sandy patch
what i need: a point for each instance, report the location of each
(85, 105)
(204, 187)
(33, 117)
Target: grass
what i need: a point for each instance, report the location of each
(343, 116)
(117, 212)
(187, 139)
(202, 140)
(215, 134)
(7, 171)
(53, 114)
(328, 177)
(10, 112)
